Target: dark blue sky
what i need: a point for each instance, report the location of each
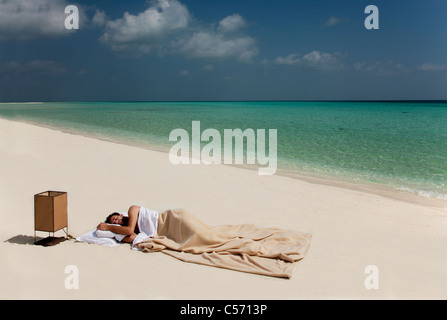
(222, 50)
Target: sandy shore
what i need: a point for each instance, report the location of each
(351, 228)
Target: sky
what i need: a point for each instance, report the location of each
(213, 50)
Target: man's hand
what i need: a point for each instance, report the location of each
(103, 226)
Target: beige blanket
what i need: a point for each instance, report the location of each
(247, 248)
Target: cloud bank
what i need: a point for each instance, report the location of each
(166, 27)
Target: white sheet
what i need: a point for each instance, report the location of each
(140, 237)
(148, 221)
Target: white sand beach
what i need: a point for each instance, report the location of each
(351, 228)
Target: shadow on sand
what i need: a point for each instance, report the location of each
(23, 239)
(48, 241)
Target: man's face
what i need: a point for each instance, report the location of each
(117, 219)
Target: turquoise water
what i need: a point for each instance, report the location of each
(397, 144)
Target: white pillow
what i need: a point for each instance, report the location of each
(105, 234)
(109, 234)
(91, 237)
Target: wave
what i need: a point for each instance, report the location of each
(424, 193)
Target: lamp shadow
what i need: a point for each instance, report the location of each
(30, 240)
(23, 239)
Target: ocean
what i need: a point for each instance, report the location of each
(402, 145)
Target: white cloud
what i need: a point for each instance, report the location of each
(332, 21)
(290, 59)
(146, 29)
(231, 23)
(432, 67)
(382, 69)
(314, 60)
(99, 19)
(208, 67)
(222, 42)
(166, 27)
(25, 19)
(184, 73)
(209, 44)
(34, 68)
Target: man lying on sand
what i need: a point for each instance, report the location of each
(138, 218)
(267, 251)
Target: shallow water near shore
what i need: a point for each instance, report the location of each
(397, 145)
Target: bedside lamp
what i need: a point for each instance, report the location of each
(50, 215)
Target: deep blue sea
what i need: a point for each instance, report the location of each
(402, 145)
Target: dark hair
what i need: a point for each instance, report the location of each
(125, 219)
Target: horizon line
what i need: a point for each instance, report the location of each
(268, 100)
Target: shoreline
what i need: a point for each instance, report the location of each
(332, 181)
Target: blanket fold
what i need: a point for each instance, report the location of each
(248, 248)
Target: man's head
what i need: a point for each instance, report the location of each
(117, 218)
